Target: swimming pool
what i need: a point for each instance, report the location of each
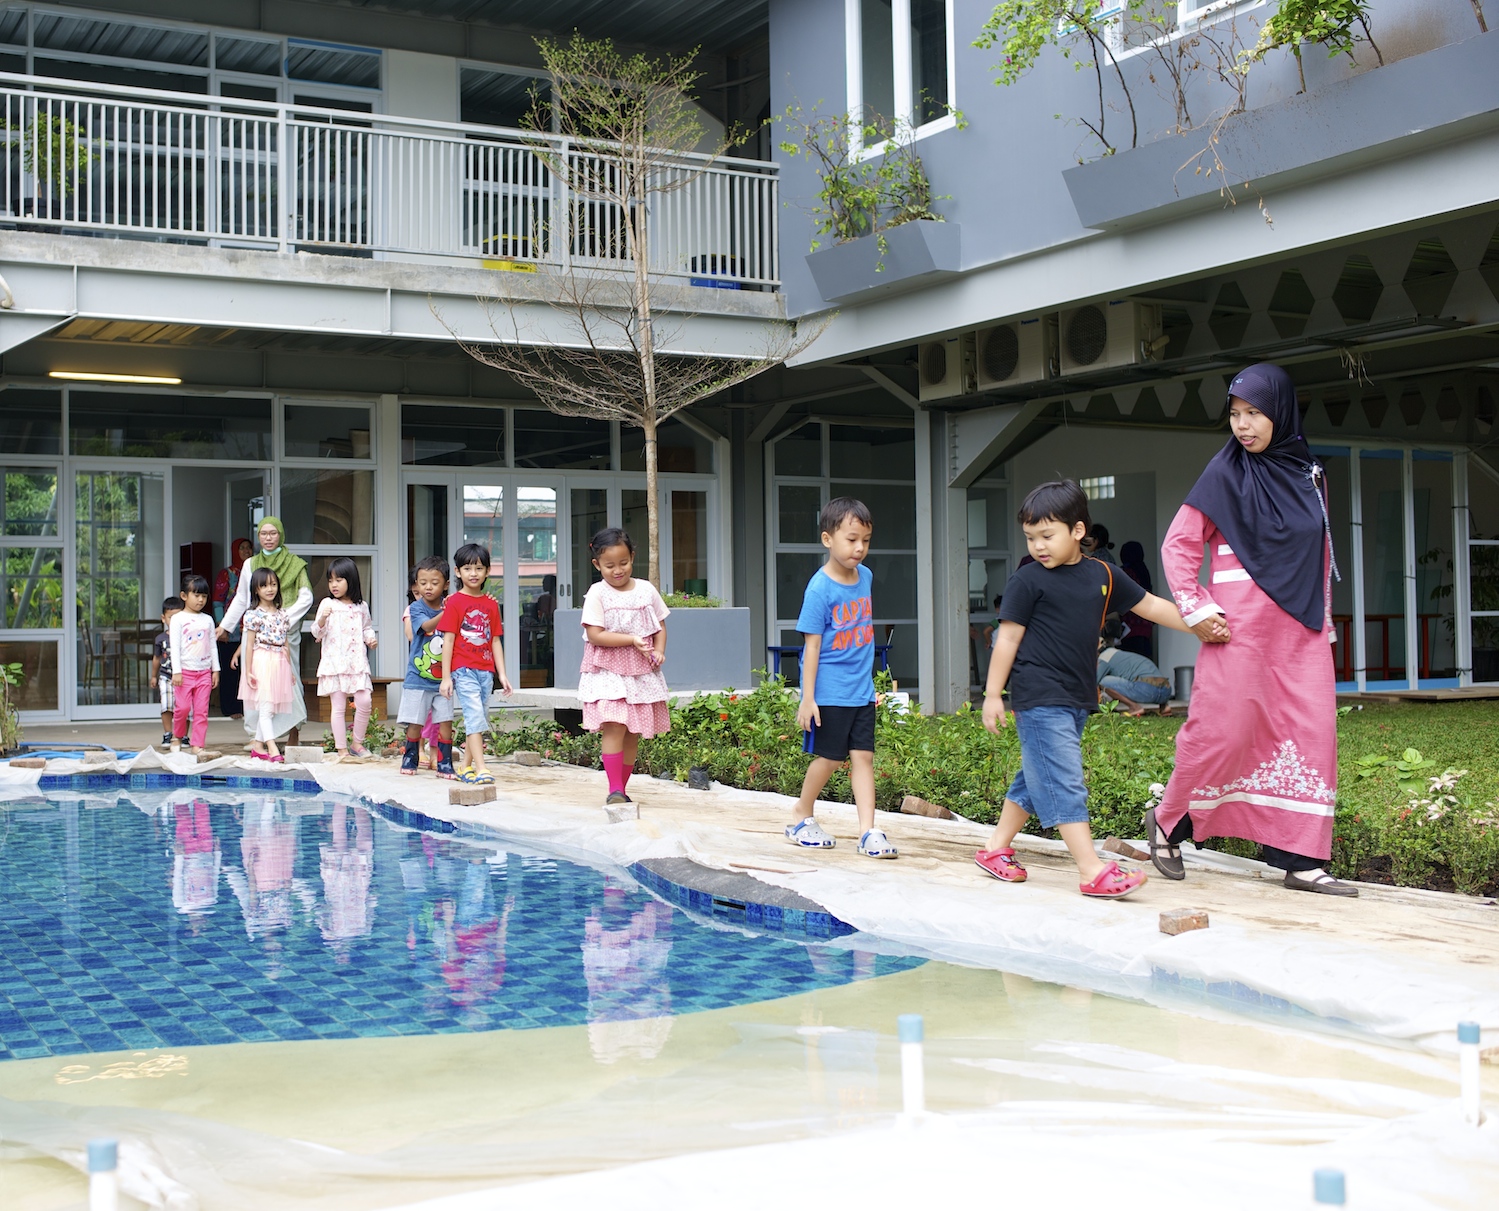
(148, 919)
(355, 1008)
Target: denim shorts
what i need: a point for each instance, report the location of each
(471, 691)
(1049, 784)
(1138, 691)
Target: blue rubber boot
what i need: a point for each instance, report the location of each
(410, 755)
(445, 761)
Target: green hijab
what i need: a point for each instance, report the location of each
(291, 570)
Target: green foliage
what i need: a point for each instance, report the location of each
(10, 724)
(872, 178)
(1329, 23)
(1024, 28)
(691, 601)
(1410, 768)
(55, 150)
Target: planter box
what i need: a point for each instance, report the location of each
(1405, 106)
(706, 649)
(917, 254)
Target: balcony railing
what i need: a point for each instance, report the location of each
(107, 160)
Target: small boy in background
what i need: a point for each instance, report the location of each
(837, 707)
(161, 665)
(420, 698)
(1047, 649)
(473, 656)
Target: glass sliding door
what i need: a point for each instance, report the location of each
(1381, 474)
(427, 521)
(590, 514)
(31, 563)
(1435, 570)
(1483, 566)
(120, 576)
(535, 577)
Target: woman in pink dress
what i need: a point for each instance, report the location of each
(1257, 757)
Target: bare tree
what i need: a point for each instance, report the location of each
(628, 123)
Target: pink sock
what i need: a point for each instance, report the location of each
(624, 782)
(614, 767)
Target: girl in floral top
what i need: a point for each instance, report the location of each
(344, 629)
(620, 686)
(268, 687)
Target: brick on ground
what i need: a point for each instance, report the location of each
(471, 796)
(1183, 920)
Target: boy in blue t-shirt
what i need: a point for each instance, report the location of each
(837, 709)
(424, 665)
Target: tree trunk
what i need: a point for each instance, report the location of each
(652, 512)
(1478, 12)
(646, 344)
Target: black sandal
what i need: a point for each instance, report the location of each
(1166, 858)
(1323, 884)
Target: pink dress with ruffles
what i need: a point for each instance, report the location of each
(620, 684)
(1258, 755)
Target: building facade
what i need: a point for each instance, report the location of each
(280, 232)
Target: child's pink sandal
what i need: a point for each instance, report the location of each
(1001, 864)
(1112, 883)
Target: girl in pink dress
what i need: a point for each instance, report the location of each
(620, 686)
(344, 628)
(1257, 757)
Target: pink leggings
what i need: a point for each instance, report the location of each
(361, 717)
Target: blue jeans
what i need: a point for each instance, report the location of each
(1049, 784)
(471, 691)
(1137, 691)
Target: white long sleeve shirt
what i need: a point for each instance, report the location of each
(190, 637)
(295, 610)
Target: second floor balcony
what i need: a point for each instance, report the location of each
(117, 162)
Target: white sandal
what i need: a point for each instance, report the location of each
(874, 844)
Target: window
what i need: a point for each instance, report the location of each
(326, 431)
(900, 59)
(130, 425)
(876, 464)
(438, 436)
(30, 421)
(544, 440)
(1099, 487)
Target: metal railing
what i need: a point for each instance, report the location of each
(107, 160)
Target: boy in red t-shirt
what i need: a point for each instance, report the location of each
(474, 656)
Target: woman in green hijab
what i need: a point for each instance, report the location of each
(296, 600)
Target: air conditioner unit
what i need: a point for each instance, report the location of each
(1008, 355)
(945, 367)
(1099, 336)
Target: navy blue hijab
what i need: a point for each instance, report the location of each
(1267, 505)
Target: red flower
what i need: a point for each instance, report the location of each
(724, 715)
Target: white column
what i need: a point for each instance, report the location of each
(1462, 634)
(1356, 565)
(386, 570)
(900, 39)
(1408, 547)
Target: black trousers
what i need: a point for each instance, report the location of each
(1281, 859)
(229, 703)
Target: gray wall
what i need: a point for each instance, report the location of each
(1004, 173)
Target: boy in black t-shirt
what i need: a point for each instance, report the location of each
(1047, 649)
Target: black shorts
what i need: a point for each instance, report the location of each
(843, 730)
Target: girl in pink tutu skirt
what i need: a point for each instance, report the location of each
(268, 688)
(621, 686)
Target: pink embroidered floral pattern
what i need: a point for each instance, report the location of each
(1286, 776)
(1187, 600)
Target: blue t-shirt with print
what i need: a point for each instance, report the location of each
(843, 616)
(420, 612)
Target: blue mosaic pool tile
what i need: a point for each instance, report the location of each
(111, 946)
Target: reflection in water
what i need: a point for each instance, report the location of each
(479, 939)
(348, 908)
(196, 858)
(264, 884)
(624, 962)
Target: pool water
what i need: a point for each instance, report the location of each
(168, 919)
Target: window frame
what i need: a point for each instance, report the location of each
(905, 110)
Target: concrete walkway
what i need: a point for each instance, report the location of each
(1399, 963)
